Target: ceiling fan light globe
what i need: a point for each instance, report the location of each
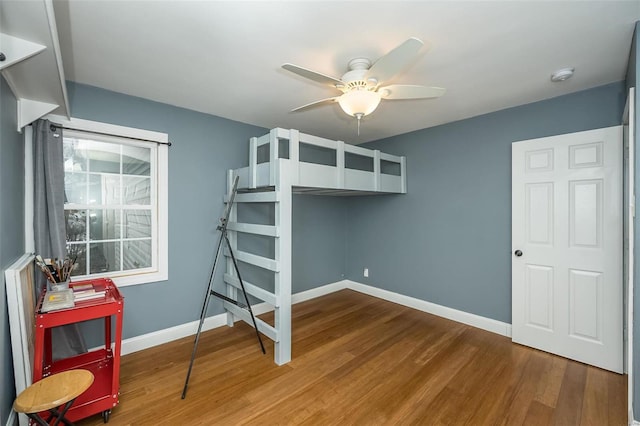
(362, 102)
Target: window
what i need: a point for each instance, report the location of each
(115, 203)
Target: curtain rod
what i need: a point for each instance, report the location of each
(53, 127)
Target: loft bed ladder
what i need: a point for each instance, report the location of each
(280, 265)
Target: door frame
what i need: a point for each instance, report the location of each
(628, 122)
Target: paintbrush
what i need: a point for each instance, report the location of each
(48, 274)
(56, 266)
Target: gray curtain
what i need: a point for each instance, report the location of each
(49, 223)
(49, 226)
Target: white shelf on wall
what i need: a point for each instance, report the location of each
(16, 49)
(33, 63)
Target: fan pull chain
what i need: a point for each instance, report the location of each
(359, 116)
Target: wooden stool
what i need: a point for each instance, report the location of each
(52, 392)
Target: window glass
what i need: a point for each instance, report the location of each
(75, 188)
(109, 212)
(136, 190)
(136, 161)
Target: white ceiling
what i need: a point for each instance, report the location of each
(224, 58)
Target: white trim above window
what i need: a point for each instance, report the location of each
(159, 272)
(109, 129)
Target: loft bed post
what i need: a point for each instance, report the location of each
(294, 154)
(253, 162)
(283, 275)
(282, 279)
(340, 164)
(232, 292)
(403, 174)
(273, 157)
(376, 169)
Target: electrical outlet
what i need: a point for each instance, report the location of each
(366, 272)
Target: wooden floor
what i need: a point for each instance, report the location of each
(360, 360)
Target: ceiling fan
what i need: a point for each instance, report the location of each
(362, 86)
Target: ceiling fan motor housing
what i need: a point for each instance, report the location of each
(356, 77)
(357, 85)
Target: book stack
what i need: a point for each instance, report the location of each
(89, 291)
(54, 300)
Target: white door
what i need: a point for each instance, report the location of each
(567, 246)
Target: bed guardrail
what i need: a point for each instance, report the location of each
(316, 162)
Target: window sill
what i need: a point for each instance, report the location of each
(129, 280)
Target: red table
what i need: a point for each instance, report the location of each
(104, 362)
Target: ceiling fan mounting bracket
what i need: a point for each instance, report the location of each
(359, 64)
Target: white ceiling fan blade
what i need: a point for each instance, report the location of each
(312, 75)
(316, 103)
(394, 61)
(408, 91)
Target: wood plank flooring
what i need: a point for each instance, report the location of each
(364, 361)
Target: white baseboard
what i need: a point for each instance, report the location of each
(166, 335)
(319, 291)
(473, 320)
(12, 420)
(155, 338)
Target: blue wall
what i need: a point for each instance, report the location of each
(633, 76)
(319, 230)
(448, 240)
(11, 231)
(204, 148)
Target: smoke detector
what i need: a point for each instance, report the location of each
(562, 74)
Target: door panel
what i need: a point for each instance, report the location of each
(585, 155)
(567, 222)
(585, 296)
(540, 296)
(540, 212)
(585, 213)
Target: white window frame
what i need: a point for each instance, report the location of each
(161, 273)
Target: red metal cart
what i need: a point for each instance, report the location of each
(104, 363)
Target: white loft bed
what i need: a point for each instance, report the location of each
(278, 167)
